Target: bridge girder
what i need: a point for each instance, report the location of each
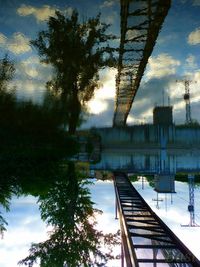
(141, 21)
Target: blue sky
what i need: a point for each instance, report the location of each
(175, 56)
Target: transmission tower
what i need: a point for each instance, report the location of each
(191, 202)
(186, 97)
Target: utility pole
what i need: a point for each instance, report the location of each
(191, 202)
(186, 97)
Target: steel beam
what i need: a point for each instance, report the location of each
(141, 21)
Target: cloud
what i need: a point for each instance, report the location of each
(30, 78)
(42, 13)
(191, 61)
(99, 103)
(17, 44)
(3, 38)
(194, 37)
(108, 3)
(161, 66)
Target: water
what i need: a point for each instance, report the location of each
(174, 212)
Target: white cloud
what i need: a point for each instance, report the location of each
(97, 106)
(194, 37)
(161, 66)
(108, 3)
(42, 13)
(108, 84)
(107, 91)
(18, 43)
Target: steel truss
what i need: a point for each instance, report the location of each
(141, 21)
(146, 240)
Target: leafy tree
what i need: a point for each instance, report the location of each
(77, 51)
(74, 240)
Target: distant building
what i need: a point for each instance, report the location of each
(163, 115)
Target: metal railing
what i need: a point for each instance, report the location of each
(146, 239)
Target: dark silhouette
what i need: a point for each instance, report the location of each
(77, 51)
(33, 142)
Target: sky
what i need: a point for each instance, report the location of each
(176, 56)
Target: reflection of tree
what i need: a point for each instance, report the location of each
(33, 152)
(76, 51)
(74, 240)
(33, 143)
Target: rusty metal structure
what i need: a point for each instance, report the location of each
(146, 239)
(141, 21)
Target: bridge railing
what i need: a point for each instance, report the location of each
(146, 239)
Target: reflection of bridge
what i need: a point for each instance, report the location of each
(147, 241)
(141, 21)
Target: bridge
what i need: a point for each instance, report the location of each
(141, 21)
(146, 240)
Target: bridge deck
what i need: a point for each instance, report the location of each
(146, 240)
(141, 21)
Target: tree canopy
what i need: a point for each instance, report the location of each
(74, 239)
(77, 51)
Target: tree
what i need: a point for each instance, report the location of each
(74, 240)
(6, 100)
(77, 51)
(7, 71)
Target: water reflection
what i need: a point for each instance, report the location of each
(149, 161)
(173, 210)
(73, 239)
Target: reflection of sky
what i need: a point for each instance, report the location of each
(175, 214)
(25, 225)
(175, 55)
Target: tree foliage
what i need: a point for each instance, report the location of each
(7, 71)
(77, 51)
(74, 240)
(33, 142)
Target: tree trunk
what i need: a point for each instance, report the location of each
(74, 112)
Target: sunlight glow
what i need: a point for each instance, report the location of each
(96, 106)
